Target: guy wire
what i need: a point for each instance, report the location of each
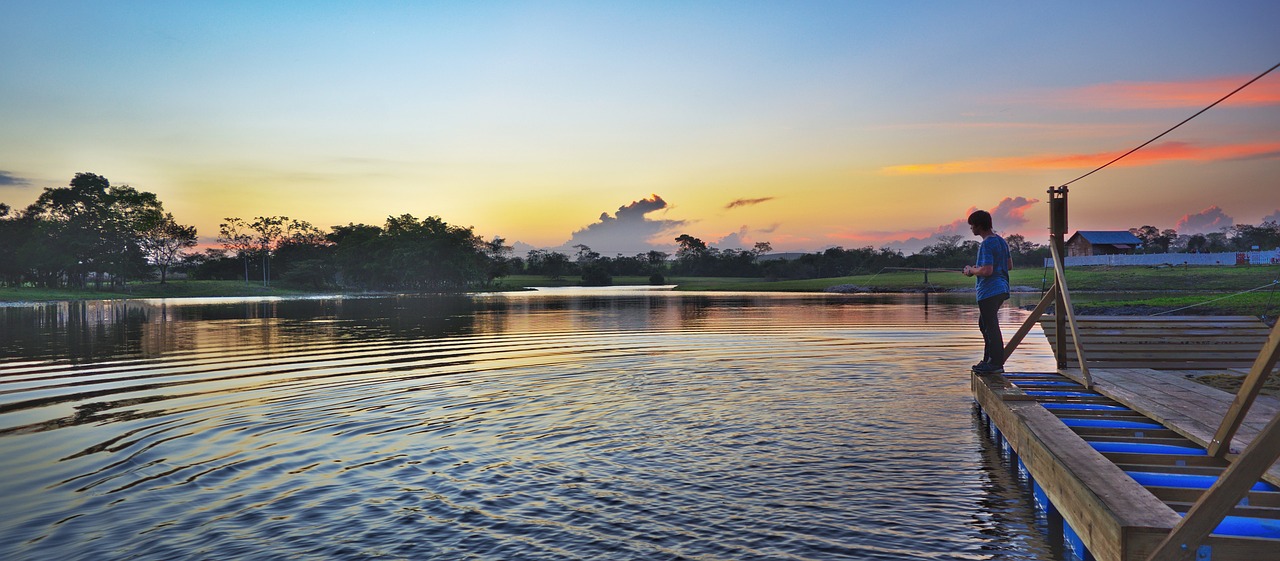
(1184, 121)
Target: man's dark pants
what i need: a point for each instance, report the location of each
(989, 325)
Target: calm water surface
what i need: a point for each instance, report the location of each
(614, 424)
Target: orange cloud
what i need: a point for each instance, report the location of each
(747, 202)
(1165, 95)
(1151, 155)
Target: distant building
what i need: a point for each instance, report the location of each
(1095, 242)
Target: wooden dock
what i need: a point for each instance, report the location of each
(1115, 516)
(1125, 445)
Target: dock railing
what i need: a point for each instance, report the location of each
(1205, 515)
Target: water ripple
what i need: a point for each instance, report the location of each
(549, 428)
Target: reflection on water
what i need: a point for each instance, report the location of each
(615, 424)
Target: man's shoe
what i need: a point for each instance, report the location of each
(980, 365)
(988, 368)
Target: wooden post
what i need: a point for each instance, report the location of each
(1048, 298)
(1065, 310)
(1249, 390)
(1057, 231)
(1208, 512)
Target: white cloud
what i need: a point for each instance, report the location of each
(1209, 220)
(629, 231)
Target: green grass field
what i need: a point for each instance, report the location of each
(171, 289)
(1092, 288)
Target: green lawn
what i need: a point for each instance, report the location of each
(1086, 279)
(515, 282)
(171, 289)
(1091, 287)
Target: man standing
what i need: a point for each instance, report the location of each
(992, 270)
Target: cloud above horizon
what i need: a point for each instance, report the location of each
(1209, 220)
(10, 180)
(1151, 155)
(629, 231)
(747, 202)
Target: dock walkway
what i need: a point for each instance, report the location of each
(1185, 406)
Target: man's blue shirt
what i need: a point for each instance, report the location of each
(995, 252)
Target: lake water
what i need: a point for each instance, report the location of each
(558, 424)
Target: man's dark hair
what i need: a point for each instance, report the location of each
(981, 219)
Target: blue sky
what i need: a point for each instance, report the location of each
(850, 123)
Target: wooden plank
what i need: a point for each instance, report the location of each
(1222, 496)
(1195, 340)
(1230, 347)
(1101, 355)
(1213, 471)
(1183, 494)
(1249, 511)
(1166, 459)
(1168, 416)
(1173, 441)
(1178, 320)
(1173, 392)
(1185, 341)
(1175, 342)
(1146, 433)
(1074, 365)
(1241, 549)
(1249, 390)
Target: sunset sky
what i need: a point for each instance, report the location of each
(624, 124)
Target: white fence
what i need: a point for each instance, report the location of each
(1269, 257)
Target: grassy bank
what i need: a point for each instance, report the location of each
(1079, 279)
(1094, 289)
(171, 289)
(516, 282)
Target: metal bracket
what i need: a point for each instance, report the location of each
(1204, 553)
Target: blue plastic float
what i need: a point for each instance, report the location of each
(1110, 424)
(1187, 481)
(1145, 448)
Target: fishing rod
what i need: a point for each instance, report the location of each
(926, 270)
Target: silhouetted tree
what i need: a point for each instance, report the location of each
(163, 243)
(269, 232)
(234, 235)
(497, 251)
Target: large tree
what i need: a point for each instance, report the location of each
(94, 227)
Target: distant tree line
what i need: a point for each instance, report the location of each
(405, 253)
(92, 232)
(696, 258)
(1240, 237)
